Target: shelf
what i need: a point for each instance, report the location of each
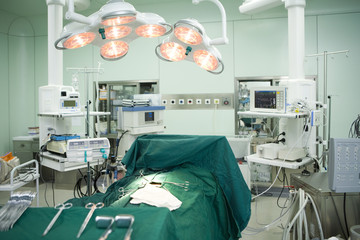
(268, 114)
(61, 164)
(79, 114)
(278, 162)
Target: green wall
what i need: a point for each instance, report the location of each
(258, 47)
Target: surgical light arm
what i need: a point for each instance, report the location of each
(72, 15)
(256, 6)
(224, 39)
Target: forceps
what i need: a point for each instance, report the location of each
(92, 207)
(61, 207)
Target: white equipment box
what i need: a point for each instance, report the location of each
(58, 99)
(141, 120)
(269, 150)
(88, 149)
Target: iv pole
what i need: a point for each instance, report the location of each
(327, 114)
(87, 71)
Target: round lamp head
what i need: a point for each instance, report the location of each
(79, 40)
(188, 35)
(114, 50)
(118, 18)
(172, 51)
(117, 32)
(150, 30)
(205, 60)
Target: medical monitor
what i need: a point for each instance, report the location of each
(268, 99)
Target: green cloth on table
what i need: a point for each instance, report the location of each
(35, 220)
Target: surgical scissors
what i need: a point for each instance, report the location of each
(61, 207)
(92, 207)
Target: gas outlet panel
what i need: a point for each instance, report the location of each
(198, 101)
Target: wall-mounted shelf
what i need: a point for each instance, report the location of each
(279, 162)
(276, 115)
(79, 114)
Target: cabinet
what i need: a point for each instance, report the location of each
(25, 147)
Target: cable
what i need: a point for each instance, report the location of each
(52, 186)
(354, 131)
(277, 175)
(346, 223)
(337, 214)
(118, 142)
(255, 231)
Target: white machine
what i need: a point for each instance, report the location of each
(268, 99)
(58, 99)
(88, 149)
(141, 120)
(291, 97)
(136, 121)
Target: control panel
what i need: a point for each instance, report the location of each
(344, 165)
(198, 101)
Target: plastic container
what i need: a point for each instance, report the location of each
(355, 232)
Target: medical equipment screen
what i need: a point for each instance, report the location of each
(69, 103)
(149, 116)
(265, 99)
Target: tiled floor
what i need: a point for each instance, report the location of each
(264, 209)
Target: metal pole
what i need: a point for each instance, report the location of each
(325, 111)
(329, 127)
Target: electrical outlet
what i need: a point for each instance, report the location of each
(164, 101)
(172, 101)
(198, 101)
(190, 101)
(181, 101)
(216, 101)
(207, 101)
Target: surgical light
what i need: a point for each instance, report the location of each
(172, 51)
(206, 60)
(114, 50)
(150, 31)
(117, 23)
(117, 32)
(79, 40)
(117, 20)
(188, 32)
(190, 42)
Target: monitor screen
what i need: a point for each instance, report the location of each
(69, 103)
(265, 99)
(149, 116)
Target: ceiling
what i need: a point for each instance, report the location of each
(27, 8)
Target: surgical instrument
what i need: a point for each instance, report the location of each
(92, 207)
(61, 207)
(14, 208)
(104, 222)
(123, 221)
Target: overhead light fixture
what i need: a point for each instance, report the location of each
(117, 23)
(111, 28)
(190, 42)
